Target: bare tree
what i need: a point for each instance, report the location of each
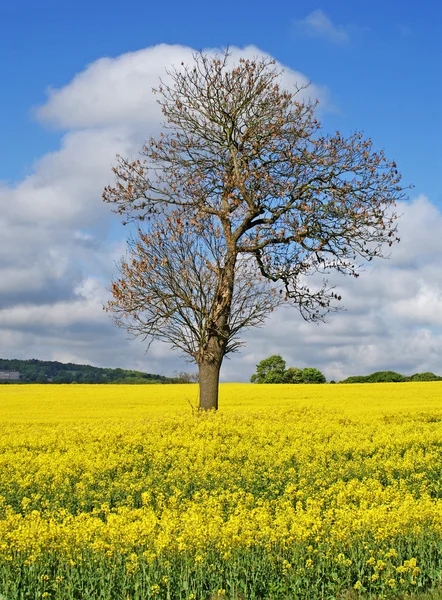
(242, 198)
(171, 288)
(184, 377)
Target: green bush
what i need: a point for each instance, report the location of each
(385, 376)
(357, 379)
(428, 376)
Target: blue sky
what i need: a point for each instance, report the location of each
(377, 68)
(384, 76)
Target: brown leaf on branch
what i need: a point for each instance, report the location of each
(243, 195)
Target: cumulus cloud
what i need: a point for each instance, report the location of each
(392, 318)
(318, 24)
(114, 91)
(59, 245)
(59, 242)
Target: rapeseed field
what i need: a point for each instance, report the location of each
(289, 491)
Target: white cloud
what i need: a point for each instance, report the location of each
(118, 91)
(66, 186)
(318, 24)
(392, 317)
(59, 244)
(59, 241)
(425, 307)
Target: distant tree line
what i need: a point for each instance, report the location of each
(391, 376)
(273, 370)
(41, 371)
(270, 370)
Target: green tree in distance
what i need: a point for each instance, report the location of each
(311, 375)
(293, 375)
(270, 370)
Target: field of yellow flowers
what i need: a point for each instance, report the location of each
(301, 491)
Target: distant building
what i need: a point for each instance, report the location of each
(9, 375)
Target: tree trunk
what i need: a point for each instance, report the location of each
(209, 380)
(212, 354)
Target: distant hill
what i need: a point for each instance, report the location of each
(45, 371)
